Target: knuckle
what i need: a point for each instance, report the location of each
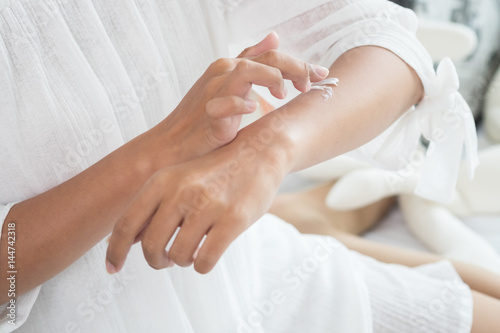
(278, 74)
(122, 227)
(305, 69)
(243, 65)
(274, 56)
(222, 65)
(150, 249)
(246, 51)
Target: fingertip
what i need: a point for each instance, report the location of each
(279, 93)
(274, 35)
(251, 105)
(110, 268)
(201, 264)
(202, 269)
(320, 72)
(272, 41)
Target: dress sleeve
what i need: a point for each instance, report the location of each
(14, 313)
(319, 31)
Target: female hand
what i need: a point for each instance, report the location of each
(209, 115)
(218, 196)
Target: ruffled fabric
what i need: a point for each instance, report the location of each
(436, 301)
(81, 78)
(446, 120)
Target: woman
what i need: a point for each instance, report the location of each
(86, 101)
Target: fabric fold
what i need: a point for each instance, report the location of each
(447, 122)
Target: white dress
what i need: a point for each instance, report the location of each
(80, 78)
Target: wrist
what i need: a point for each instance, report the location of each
(269, 142)
(153, 150)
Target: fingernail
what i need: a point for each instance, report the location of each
(320, 70)
(110, 268)
(308, 86)
(274, 34)
(251, 104)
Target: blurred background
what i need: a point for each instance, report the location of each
(467, 31)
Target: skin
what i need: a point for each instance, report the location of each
(57, 227)
(307, 211)
(204, 197)
(130, 187)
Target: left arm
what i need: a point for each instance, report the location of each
(376, 87)
(205, 197)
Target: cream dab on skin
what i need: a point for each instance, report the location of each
(323, 85)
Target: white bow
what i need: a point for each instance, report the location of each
(447, 122)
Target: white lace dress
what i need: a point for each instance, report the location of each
(80, 78)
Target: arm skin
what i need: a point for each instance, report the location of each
(304, 132)
(362, 107)
(57, 227)
(87, 206)
(376, 87)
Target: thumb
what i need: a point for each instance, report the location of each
(270, 42)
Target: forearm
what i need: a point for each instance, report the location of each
(55, 228)
(375, 88)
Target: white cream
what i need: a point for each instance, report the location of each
(323, 85)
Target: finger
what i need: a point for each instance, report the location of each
(224, 117)
(158, 234)
(129, 225)
(187, 241)
(298, 71)
(138, 238)
(270, 42)
(249, 72)
(218, 240)
(227, 106)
